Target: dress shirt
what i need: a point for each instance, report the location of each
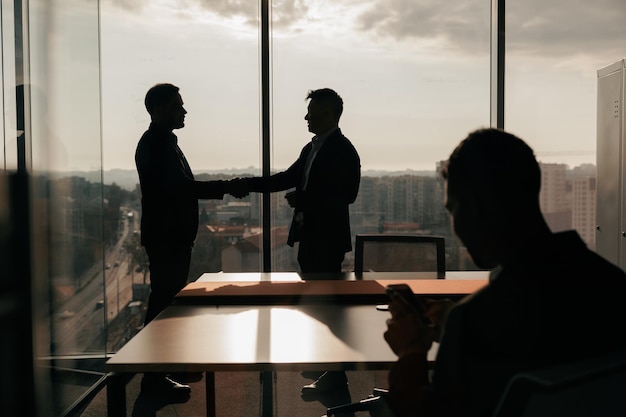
(318, 142)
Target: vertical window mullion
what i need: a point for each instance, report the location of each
(265, 135)
(497, 63)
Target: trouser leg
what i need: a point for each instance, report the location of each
(169, 268)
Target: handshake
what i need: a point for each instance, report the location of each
(238, 187)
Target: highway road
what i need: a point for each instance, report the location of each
(80, 321)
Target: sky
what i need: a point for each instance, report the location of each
(414, 76)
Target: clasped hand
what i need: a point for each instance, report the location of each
(238, 187)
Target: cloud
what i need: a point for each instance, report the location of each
(285, 13)
(540, 27)
(130, 5)
(578, 26)
(464, 25)
(232, 8)
(537, 27)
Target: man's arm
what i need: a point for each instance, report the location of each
(163, 174)
(410, 339)
(351, 175)
(285, 180)
(209, 189)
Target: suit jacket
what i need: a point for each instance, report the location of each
(555, 302)
(333, 185)
(169, 193)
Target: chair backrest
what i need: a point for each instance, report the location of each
(399, 253)
(592, 387)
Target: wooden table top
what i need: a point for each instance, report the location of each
(239, 338)
(317, 292)
(344, 276)
(262, 323)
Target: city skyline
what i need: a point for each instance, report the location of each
(404, 204)
(128, 179)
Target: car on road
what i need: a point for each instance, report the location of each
(65, 314)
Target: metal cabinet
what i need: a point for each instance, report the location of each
(611, 164)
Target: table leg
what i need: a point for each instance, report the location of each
(267, 394)
(210, 394)
(116, 394)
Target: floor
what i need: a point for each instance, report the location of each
(238, 395)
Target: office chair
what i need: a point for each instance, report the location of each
(399, 253)
(393, 253)
(375, 404)
(590, 387)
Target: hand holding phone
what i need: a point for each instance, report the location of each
(405, 293)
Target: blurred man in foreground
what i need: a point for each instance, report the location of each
(549, 299)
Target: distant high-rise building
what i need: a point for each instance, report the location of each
(554, 198)
(584, 209)
(403, 198)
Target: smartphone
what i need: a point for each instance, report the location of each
(405, 292)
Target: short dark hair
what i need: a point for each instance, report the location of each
(329, 98)
(492, 161)
(159, 96)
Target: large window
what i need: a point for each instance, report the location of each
(553, 52)
(75, 222)
(212, 54)
(415, 78)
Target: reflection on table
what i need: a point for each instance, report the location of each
(285, 289)
(346, 276)
(190, 338)
(270, 322)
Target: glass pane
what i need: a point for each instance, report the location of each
(212, 55)
(554, 50)
(10, 83)
(414, 78)
(68, 195)
(73, 149)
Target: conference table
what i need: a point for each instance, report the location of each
(269, 322)
(280, 288)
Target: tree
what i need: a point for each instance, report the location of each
(138, 255)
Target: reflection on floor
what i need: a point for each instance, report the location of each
(238, 395)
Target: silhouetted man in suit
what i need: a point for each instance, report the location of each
(549, 299)
(169, 202)
(326, 179)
